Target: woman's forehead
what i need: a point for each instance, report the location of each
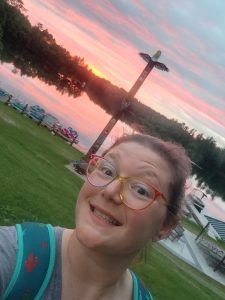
(131, 149)
(140, 160)
(138, 155)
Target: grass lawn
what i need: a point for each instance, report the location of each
(36, 186)
(34, 183)
(169, 278)
(191, 226)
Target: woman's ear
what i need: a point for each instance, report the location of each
(166, 230)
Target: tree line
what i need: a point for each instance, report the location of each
(34, 52)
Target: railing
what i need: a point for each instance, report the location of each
(176, 233)
(215, 254)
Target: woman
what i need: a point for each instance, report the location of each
(132, 195)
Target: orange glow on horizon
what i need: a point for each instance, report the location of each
(97, 72)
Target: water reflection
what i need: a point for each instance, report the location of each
(80, 113)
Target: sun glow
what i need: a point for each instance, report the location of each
(97, 72)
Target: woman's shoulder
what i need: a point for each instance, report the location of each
(140, 291)
(8, 241)
(8, 250)
(7, 232)
(58, 231)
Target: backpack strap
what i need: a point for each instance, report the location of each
(140, 292)
(35, 262)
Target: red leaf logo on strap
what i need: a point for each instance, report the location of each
(44, 245)
(31, 262)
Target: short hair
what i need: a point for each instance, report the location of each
(177, 159)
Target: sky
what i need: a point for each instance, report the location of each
(110, 34)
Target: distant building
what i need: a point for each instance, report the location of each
(194, 203)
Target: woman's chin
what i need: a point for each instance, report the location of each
(89, 237)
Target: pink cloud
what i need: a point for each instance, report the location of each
(115, 57)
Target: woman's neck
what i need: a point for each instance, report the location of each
(94, 273)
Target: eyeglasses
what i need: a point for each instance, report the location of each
(134, 192)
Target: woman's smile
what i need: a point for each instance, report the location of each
(101, 217)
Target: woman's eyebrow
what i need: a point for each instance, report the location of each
(112, 155)
(149, 173)
(142, 170)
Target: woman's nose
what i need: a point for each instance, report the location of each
(113, 191)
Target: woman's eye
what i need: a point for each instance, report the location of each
(142, 191)
(107, 171)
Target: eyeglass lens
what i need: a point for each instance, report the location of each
(135, 193)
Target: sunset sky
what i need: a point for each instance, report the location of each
(110, 34)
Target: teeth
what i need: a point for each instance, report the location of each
(107, 219)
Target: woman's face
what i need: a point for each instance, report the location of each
(103, 222)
